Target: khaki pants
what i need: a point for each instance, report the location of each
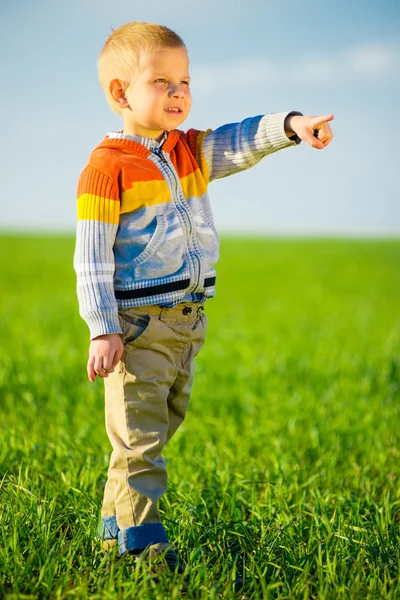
(146, 401)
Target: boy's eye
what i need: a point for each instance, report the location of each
(163, 80)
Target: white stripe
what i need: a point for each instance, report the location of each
(95, 267)
(83, 280)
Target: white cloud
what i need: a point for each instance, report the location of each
(373, 59)
(364, 63)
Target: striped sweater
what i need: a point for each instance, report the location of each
(145, 231)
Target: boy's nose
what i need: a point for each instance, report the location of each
(176, 92)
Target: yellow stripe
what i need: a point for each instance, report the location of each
(150, 193)
(193, 185)
(201, 160)
(145, 193)
(95, 208)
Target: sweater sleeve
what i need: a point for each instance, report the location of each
(239, 146)
(98, 218)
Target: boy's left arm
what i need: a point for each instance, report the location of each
(239, 146)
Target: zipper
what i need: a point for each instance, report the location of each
(160, 155)
(181, 209)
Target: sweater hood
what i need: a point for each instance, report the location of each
(137, 149)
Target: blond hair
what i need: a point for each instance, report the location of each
(120, 56)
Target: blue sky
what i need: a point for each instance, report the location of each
(247, 58)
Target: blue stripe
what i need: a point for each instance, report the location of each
(108, 529)
(141, 536)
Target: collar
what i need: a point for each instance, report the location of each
(117, 140)
(148, 143)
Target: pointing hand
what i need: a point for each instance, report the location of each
(307, 129)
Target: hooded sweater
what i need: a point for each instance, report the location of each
(145, 232)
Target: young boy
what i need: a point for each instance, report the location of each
(145, 254)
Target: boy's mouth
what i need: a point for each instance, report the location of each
(173, 109)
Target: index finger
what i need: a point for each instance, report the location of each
(319, 120)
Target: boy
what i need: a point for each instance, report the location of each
(145, 254)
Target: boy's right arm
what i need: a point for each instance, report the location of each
(98, 218)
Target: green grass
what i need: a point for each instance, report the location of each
(283, 480)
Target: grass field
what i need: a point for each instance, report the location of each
(284, 479)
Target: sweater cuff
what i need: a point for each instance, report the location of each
(274, 129)
(102, 323)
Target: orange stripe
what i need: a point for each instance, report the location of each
(138, 170)
(183, 160)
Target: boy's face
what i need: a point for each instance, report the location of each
(159, 96)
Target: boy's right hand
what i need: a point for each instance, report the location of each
(105, 351)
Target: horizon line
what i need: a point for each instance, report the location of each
(271, 231)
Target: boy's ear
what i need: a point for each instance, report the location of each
(117, 90)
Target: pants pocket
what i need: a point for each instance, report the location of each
(134, 325)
